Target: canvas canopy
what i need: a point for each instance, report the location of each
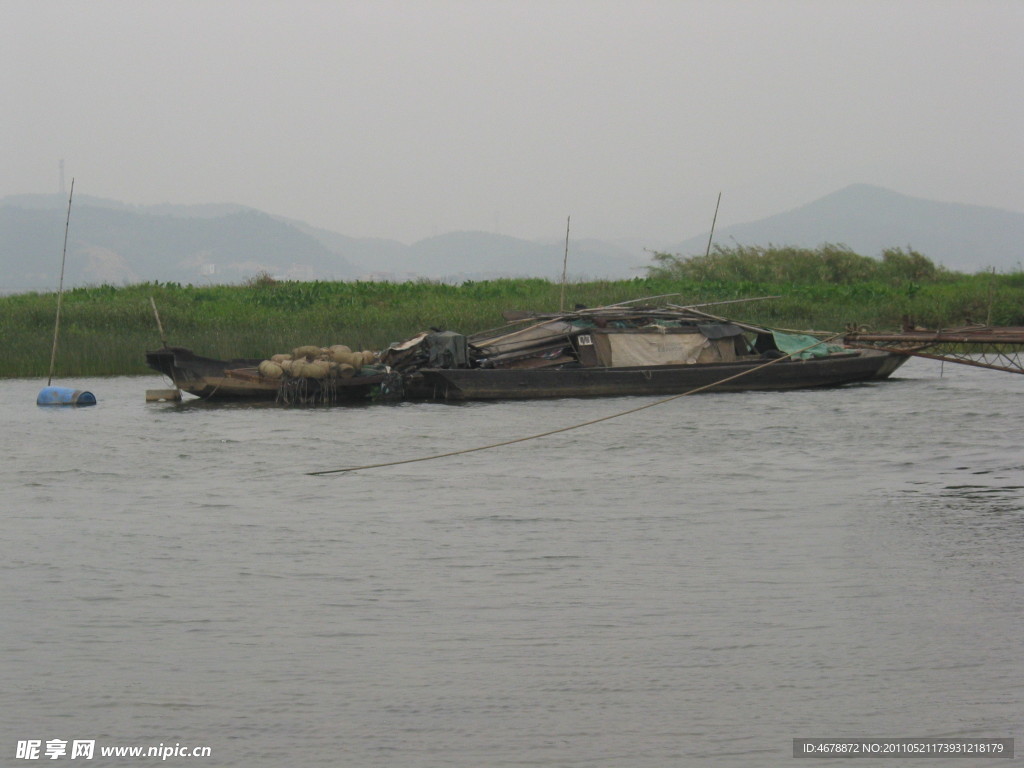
(619, 350)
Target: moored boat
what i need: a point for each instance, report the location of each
(609, 351)
(512, 384)
(241, 379)
(621, 350)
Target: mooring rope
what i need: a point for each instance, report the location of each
(703, 388)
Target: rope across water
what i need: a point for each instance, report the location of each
(576, 426)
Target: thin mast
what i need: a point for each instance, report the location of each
(565, 265)
(713, 220)
(60, 289)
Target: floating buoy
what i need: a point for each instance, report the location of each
(65, 396)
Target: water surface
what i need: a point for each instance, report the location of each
(695, 584)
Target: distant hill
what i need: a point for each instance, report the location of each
(117, 243)
(458, 256)
(484, 255)
(867, 219)
(368, 255)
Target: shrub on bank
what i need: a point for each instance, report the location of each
(105, 330)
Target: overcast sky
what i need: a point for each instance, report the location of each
(408, 119)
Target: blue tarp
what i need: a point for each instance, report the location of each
(791, 343)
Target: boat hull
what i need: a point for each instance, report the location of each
(528, 384)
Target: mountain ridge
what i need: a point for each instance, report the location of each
(868, 219)
(114, 242)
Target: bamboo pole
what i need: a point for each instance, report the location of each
(159, 325)
(713, 220)
(565, 265)
(60, 289)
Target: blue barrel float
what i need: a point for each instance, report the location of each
(65, 396)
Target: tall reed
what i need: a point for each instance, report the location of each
(105, 330)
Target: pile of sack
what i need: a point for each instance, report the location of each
(311, 362)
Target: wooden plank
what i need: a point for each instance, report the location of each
(163, 395)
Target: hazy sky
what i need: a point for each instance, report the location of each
(408, 119)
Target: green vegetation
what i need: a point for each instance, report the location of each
(105, 330)
(830, 263)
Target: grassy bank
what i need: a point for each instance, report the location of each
(105, 330)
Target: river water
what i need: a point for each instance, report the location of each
(698, 583)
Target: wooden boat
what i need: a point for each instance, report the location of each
(240, 379)
(484, 384)
(603, 352)
(625, 351)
